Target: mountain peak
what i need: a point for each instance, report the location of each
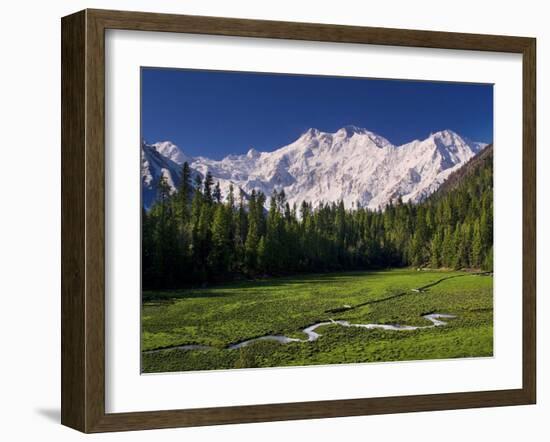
(445, 135)
(449, 139)
(171, 151)
(351, 130)
(311, 133)
(346, 131)
(352, 164)
(252, 153)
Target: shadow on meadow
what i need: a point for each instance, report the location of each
(232, 289)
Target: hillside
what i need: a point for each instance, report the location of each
(483, 160)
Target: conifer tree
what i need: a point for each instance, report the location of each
(217, 193)
(185, 192)
(207, 191)
(218, 259)
(190, 236)
(477, 246)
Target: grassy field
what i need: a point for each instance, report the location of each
(223, 315)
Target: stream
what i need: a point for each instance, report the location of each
(312, 335)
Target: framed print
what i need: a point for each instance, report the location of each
(268, 221)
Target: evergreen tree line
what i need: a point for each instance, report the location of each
(197, 235)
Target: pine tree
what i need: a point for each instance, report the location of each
(203, 241)
(197, 185)
(163, 193)
(190, 236)
(220, 253)
(262, 263)
(272, 240)
(185, 192)
(435, 251)
(217, 193)
(207, 187)
(231, 197)
(147, 249)
(447, 254)
(251, 248)
(164, 230)
(477, 247)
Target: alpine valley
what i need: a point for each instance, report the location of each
(340, 247)
(353, 165)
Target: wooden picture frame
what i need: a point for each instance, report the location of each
(83, 220)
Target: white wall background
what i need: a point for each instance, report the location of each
(30, 216)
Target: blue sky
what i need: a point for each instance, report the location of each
(216, 113)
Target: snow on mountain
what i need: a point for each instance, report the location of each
(153, 166)
(351, 164)
(171, 151)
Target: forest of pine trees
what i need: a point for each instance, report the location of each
(197, 235)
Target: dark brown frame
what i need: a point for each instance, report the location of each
(83, 217)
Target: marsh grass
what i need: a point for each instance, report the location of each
(219, 316)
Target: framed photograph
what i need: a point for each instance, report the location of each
(268, 221)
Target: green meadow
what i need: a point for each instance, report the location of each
(217, 317)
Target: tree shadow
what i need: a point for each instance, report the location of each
(232, 288)
(170, 296)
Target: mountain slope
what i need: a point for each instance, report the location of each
(153, 166)
(480, 162)
(352, 164)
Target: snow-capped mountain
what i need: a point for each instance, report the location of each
(154, 165)
(351, 164)
(171, 151)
